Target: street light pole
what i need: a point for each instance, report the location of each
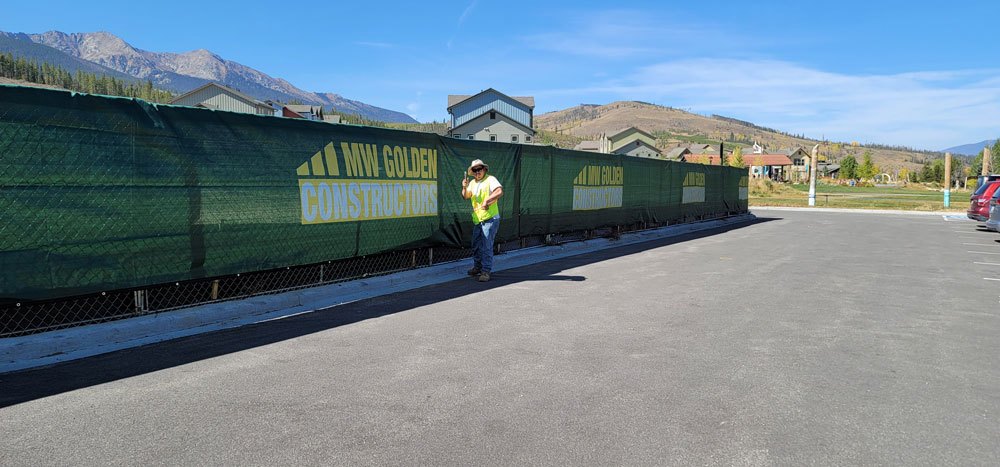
(812, 175)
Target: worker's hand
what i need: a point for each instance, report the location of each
(465, 182)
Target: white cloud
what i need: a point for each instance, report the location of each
(467, 12)
(622, 34)
(450, 43)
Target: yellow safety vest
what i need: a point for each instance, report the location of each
(481, 191)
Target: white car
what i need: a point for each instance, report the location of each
(993, 223)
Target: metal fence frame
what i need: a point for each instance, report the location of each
(18, 319)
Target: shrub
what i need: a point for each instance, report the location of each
(761, 186)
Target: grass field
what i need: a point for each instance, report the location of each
(915, 198)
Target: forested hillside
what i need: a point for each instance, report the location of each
(55, 76)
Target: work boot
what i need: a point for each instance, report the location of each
(484, 276)
(474, 271)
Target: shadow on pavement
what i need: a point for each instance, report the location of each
(31, 384)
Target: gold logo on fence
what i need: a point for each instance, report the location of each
(598, 187)
(362, 181)
(693, 188)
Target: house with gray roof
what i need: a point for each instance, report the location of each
(701, 148)
(492, 116)
(828, 170)
(215, 96)
(677, 153)
(629, 141)
(590, 146)
(308, 112)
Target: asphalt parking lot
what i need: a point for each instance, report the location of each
(803, 338)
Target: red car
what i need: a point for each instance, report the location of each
(979, 208)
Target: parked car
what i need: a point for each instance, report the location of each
(979, 205)
(993, 223)
(982, 179)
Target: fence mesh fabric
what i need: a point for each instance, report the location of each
(122, 202)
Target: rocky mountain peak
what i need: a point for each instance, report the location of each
(185, 71)
(199, 63)
(102, 48)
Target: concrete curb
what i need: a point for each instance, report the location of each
(860, 211)
(20, 353)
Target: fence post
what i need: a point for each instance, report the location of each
(987, 160)
(812, 175)
(141, 305)
(947, 179)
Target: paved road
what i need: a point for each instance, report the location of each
(805, 338)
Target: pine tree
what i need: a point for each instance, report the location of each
(736, 159)
(849, 168)
(28, 70)
(867, 169)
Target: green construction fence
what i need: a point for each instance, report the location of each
(102, 193)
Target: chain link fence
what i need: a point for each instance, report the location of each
(115, 207)
(18, 319)
(32, 317)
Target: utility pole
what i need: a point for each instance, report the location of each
(987, 160)
(812, 175)
(947, 179)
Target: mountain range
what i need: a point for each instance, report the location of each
(675, 127)
(970, 149)
(105, 53)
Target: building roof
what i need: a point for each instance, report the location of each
(630, 147)
(766, 159)
(287, 112)
(455, 99)
(588, 146)
(713, 159)
(791, 152)
(677, 153)
(629, 129)
(305, 108)
(229, 90)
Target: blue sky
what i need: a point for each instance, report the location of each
(916, 73)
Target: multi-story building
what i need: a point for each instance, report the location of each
(629, 142)
(492, 116)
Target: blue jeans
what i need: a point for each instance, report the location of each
(482, 243)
